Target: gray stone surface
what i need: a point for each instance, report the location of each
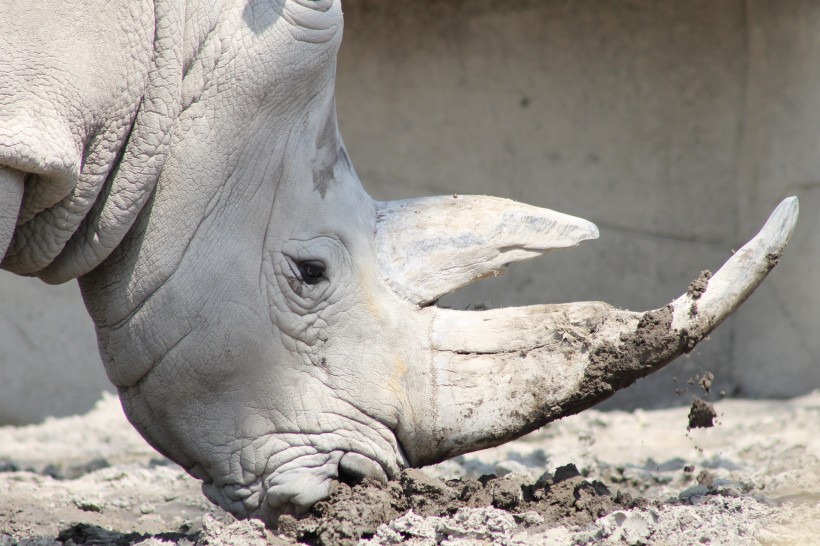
(675, 126)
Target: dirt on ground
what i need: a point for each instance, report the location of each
(595, 478)
(560, 498)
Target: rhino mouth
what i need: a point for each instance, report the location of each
(297, 485)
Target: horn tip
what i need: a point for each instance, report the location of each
(784, 218)
(592, 232)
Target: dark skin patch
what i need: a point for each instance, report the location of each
(321, 179)
(328, 153)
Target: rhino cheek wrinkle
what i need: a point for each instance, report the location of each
(269, 326)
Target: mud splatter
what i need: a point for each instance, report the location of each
(702, 414)
(699, 285)
(652, 345)
(356, 512)
(773, 259)
(705, 382)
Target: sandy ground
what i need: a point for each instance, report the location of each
(754, 478)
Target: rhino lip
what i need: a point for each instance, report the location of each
(497, 374)
(355, 468)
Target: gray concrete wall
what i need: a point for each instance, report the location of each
(675, 126)
(49, 363)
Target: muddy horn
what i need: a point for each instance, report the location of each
(496, 375)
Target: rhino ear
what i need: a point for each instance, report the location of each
(430, 246)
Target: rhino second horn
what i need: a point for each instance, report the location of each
(428, 247)
(496, 375)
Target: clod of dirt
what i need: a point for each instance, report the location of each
(772, 260)
(706, 381)
(702, 414)
(349, 514)
(571, 499)
(705, 478)
(356, 512)
(698, 286)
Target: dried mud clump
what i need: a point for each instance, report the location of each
(355, 512)
(702, 414)
(772, 260)
(699, 285)
(706, 381)
(349, 514)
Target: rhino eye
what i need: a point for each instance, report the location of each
(311, 271)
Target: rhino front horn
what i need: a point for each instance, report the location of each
(496, 375)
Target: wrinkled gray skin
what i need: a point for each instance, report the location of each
(266, 322)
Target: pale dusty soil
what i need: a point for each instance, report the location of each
(758, 468)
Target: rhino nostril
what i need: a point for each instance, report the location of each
(354, 468)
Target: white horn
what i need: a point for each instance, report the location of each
(431, 246)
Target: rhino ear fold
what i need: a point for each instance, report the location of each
(430, 246)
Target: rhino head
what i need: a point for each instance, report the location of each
(269, 326)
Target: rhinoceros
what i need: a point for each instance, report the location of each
(268, 325)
